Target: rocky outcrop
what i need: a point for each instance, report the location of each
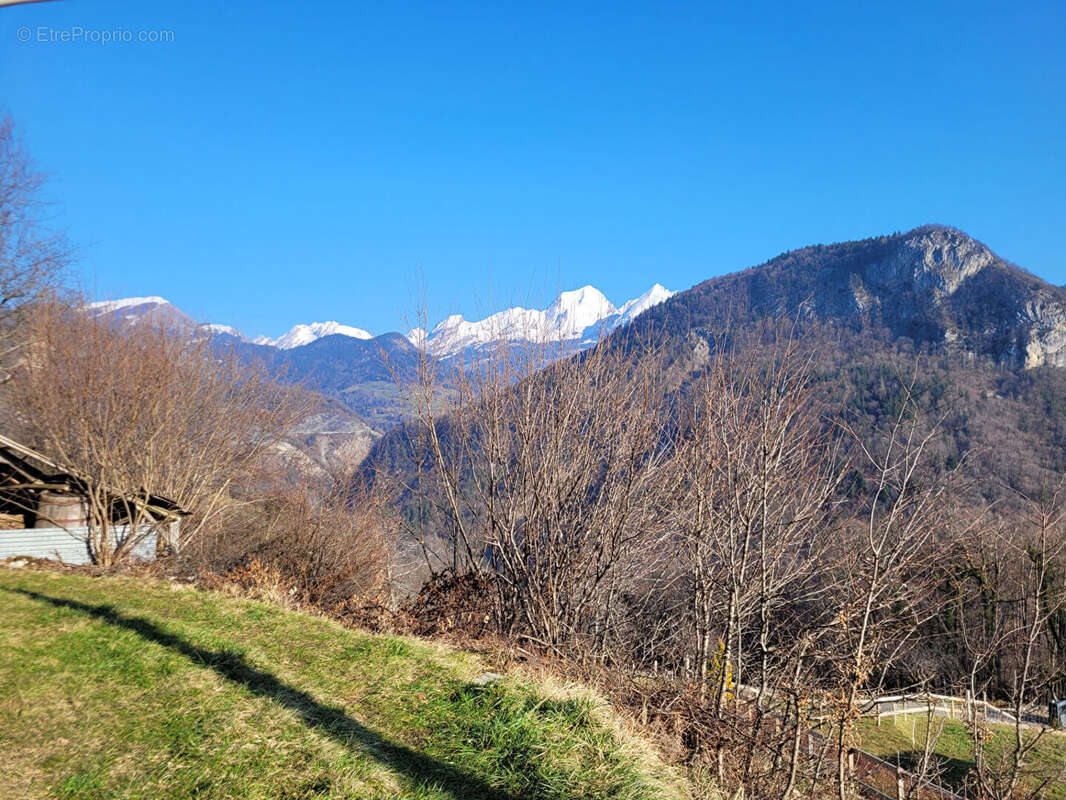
(969, 298)
(932, 262)
(935, 285)
(334, 437)
(1045, 343)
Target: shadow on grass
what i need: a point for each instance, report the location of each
(330, 720)
(953, 771)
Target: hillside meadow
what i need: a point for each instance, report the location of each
(111, 687)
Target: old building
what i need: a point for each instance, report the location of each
(45, 513)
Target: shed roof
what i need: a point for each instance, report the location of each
(33, 471)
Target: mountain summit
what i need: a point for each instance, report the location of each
(156, 311)
(572, 312)
(934, 285)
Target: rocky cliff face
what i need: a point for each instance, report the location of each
(934, 285)
(976, 300)
(1046, 340)
(932, 263)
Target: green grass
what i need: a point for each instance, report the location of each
(120, 688)
(954, 748)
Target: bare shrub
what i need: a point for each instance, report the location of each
(328, 546)
(255, 579)
(449, 603)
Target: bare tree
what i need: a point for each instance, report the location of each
(885, 561)
(31, 255)
(140, 412)
(1033, 556)
(547, 480)
(757, 478)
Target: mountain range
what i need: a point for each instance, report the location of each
(350, 364)
(988, 339)
(581, 316)
(578, 317)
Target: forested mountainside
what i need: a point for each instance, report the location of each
(981, 341)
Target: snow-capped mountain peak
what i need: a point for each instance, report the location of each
(154, 311)
(638, 305)
(214, 329)
(300, 335)
(579, 316)
(573, 311)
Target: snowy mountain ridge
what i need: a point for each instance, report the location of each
(300, 335)
(578, 317)
(110, 306)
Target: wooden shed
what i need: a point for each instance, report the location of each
(43, 510)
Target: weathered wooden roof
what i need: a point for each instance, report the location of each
(34, 471)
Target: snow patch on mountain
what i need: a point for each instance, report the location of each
(638, 305)
(218, 330)
(300, 335)
(110, 306)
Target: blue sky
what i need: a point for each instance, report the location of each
(282, 162)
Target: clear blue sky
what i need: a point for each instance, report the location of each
(288, 162)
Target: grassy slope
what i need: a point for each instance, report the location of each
(117, 688)
(892, 741)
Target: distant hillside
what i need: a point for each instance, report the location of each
(362, 373)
